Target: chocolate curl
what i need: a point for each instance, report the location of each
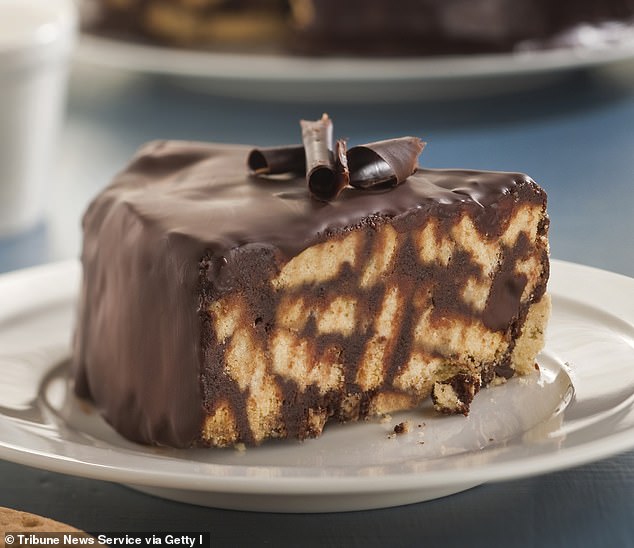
(321, 173)
(386, 163)
(276, 160)
(343, 171)
(340, 177)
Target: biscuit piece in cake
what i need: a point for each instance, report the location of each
(220, 308)
(217, 23)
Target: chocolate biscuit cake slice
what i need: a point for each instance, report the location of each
(218, 307)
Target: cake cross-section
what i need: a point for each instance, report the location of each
(220, 307)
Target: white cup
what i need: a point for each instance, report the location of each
(36, 40)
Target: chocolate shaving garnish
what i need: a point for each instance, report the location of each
(276, 160)
(329, 188)
(380, 164)
(321, 173)
(387, 162)
(341, 165)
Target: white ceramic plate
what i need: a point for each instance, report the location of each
(287, 77)
(578, 408)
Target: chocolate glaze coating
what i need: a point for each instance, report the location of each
(180, 226)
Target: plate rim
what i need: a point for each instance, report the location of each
(284, 68)
(609, 445)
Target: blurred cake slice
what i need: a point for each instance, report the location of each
(363, 27)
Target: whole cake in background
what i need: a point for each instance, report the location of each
(227, 304)
(358, 27)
